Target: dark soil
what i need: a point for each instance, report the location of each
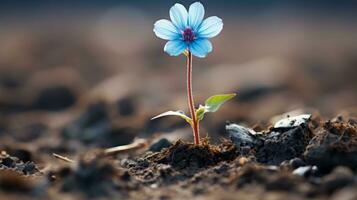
(312, 160)
(95, 178)
(280, 145)
(8, 162)
(180, 161)
(75, 82)
(335, 143)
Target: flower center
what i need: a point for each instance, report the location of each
(188, 35)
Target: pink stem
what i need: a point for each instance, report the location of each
(191, 105)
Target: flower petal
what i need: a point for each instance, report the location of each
(196, 13)
(164, 29)
(175, 47)
(178, 16)
(210, 27)
(200, 47)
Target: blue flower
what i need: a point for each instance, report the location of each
(188, 30)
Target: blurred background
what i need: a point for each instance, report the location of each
(87, 71)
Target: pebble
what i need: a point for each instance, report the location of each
(160, 144)
(291, 122)
(55, 98)
(305, 171)
(241, 136)
(296, 163)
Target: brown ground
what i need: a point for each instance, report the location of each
(184, 170)
(80, 85)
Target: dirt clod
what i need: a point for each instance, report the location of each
(160, 144)
(95, 178)
(14, 163)
(283, 145)
(334, 144)
(187, 155)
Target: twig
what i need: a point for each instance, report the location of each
(63, 158)
(138, 143)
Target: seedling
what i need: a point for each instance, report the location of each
(187, 33)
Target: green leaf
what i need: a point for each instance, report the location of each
(179, 113)
(214, 102)
(200, 112)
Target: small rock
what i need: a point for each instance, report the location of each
(291, 122)
(241, 136)
(8, 162)
(280, 146)
(55, 98)
(296, 163)
(96, 131)
(305, 171)
(29, 168)
(95, 127)
(331, 148)
(128, 163)
(243, 160)
(22, 154)
(95, 114)
(126, 106)
(14, 163)
(159, 145)
(94, 178)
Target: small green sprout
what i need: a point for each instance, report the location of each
(188, 34)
